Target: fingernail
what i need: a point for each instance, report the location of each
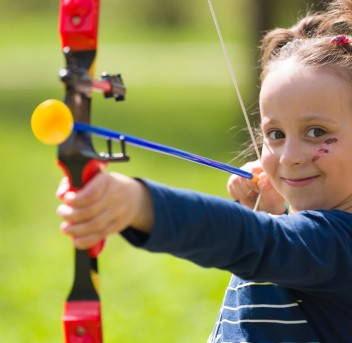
(63, 228)
(69, 196)
(64, 210)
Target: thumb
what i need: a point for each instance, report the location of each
(263, 181)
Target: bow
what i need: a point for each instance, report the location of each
(78, 29)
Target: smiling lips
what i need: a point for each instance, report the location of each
(300, 182)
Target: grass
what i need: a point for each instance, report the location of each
(175, 97)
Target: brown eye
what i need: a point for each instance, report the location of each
(315, 132)
(276, 134)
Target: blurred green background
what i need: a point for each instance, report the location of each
(179, 94)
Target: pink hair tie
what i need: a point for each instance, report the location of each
(340, 40)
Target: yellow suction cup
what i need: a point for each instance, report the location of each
(52, 122)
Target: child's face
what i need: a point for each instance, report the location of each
(306, 120)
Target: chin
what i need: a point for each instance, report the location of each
(303, 205)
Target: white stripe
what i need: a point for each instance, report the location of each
(251, 284)
(289, 322)
(260, 306)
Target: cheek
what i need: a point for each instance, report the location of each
(268, 161)
(325, 149)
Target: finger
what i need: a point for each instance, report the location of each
(63, 188)
(89, 194)
(239, 190)
(84, 238)
(231, 182)
(80, 214)
(79, 232)
(79, 228)
(253, 184)
(233, 187)
(253, 166)
(91, 220)
(256, 171)
(65, 211)
(87, 242)
(264, 182)
(252, 195)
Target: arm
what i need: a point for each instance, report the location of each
(305, 251)
(309, 251)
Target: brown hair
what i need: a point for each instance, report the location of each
(309, 41)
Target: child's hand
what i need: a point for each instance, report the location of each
(247, 191)
(107, 204)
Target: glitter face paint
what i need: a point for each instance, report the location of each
(323, 150)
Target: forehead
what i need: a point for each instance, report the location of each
(288, 81)
(291, 93)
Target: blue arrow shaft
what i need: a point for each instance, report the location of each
(142, 143)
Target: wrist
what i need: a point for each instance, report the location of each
(143, 220)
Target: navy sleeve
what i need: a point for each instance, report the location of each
(307, 251)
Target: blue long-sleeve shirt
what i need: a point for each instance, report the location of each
(293, 273)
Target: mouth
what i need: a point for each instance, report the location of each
(300, 182)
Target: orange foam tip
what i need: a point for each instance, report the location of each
(52, 122)
(255, 178)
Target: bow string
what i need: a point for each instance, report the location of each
(237, 89)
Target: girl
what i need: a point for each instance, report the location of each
(293, 278)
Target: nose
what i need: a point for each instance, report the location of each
(292, 153)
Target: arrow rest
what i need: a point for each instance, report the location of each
(77, 77)
(109, 156)
(79, 84)
(117, 89)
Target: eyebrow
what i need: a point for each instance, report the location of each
(320, 118)
(307, 119)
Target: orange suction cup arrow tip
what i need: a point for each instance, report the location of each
(52, 122)
(255, 178)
